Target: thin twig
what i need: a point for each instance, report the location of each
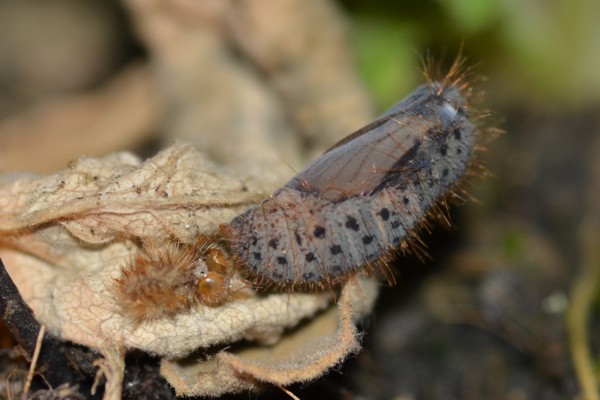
(36, 355)
(289, 393)
(583, 291)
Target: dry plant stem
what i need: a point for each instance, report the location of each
(289, 393)
(587, 285)
(34, 359)
(112, 367)
(583, 291)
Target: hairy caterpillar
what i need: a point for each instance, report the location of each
(167, 280)
(363, 198)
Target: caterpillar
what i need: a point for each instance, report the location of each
(353, 206)
(167, 280)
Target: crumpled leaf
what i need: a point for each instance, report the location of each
(66, 237)
(99, 199)
(300, 356)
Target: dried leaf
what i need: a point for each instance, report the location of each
(300, 356)
(66, 238)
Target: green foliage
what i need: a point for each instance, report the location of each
(537, 51)
(386, 58)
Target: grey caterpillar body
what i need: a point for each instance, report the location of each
(362, 198)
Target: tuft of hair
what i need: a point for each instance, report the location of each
(460, 76)
(168, 279)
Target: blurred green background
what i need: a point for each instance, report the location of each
(546, 52)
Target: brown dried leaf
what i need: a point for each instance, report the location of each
(66, 237)
(177, 193)
(300, 356)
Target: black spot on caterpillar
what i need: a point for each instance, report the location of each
(351, 207)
